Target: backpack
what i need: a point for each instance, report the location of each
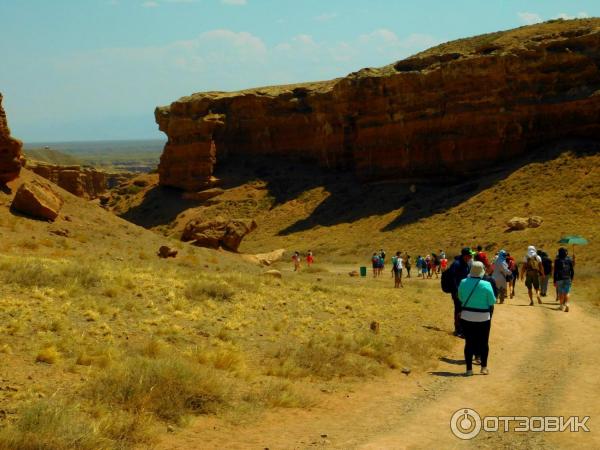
(562, 268)
(447, 281)
(533, 264)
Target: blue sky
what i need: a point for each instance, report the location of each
(95, 69)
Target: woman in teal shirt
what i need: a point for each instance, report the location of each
(477, 301)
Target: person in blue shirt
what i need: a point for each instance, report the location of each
(477, 301)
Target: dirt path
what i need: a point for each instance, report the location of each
(542, 362)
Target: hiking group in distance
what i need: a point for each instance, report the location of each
(476, 285)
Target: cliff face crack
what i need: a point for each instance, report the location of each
(454, 109)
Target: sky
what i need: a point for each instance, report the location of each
(96, 69)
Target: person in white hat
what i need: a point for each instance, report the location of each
(532, 270)
(477, 305)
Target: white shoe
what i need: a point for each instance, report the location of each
(567, 307)
(485, 371)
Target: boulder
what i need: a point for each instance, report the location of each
(37, 199)
(11, 156)
(219, 232)
(203, 196)
(534, 222)
(517, 223)
(166, 252)
(272, 273)
(265, 259)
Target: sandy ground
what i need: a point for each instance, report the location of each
(543, 362)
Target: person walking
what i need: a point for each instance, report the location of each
(532, 270)
(375, 263)
(407, 265)
(514, 270)
(458, 271)
(482, 257)
(563, 275)
(477, 306)
(500, 272)
(296, 261)
(397, 270)
(547, 265)
(381, 261)
(310, 259)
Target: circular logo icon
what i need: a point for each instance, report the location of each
(465, 423)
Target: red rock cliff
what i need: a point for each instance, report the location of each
(82, 182)
(11, 158)
(453, 109)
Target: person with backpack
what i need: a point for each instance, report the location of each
(451, 279)
(477, 307)
(381, 261)
(563, 275)
(375, 263)
(428, 266)
(407, 264)
(482, 257)
(547, 265)
(499, 273)
(532, 270)
(397, 270)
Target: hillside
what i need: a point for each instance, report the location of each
(300, 208)
(48, 155)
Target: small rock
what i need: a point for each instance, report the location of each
(324, 435)
(535, 221)
(354, 273)
(166, 252)
(170, 429)
(60, 232)
(517, 223)
(374, 327)
(273, 273)
(406, 370)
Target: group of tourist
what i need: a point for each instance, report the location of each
(427, 266)
(297, 260)
(476, 285)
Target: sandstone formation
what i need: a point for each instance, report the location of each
(217, 233)
(520, 223)
(11, 157)
(37, 200)
(80, 181)
(449, 111)
(265, 259)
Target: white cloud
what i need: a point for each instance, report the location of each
(529, 18)
(580, 15)
(326, 17)
(150, 4)
(234, 2)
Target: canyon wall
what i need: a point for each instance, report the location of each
(82, 182)
(11, 158)
(446, 112)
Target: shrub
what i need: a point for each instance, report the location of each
(213, 289)
(52, 425)
(169, 388)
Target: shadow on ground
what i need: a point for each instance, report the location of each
(350, 200)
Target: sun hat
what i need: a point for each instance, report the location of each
(531, 252)
(477, 270)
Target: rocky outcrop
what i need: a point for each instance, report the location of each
(218, 233)
(265, 259)
(449, 111)
(520, 223)
(80, 181)
(11, 157)
(37, 200)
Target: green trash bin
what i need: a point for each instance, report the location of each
(363, 271)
